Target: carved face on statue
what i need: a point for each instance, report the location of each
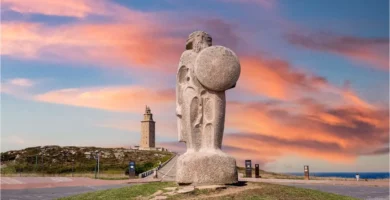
(198, 40)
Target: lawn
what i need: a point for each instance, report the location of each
(128, 192)
(263, 191)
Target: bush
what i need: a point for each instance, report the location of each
(57, 160)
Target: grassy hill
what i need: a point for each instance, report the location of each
(62, 160)
(169, 190)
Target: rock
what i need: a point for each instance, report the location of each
(170, 188)
(119, 155)
(157, 193)
(160, 197)
(210, 187)
(170, 193)
(186, 189)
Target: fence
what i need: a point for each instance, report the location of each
(149, 172)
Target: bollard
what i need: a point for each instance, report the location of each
(257, 171)
(155, 173)
(306, 172)
(132, 169)
(248, 168)
(357, 177)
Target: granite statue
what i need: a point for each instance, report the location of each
(205, 72)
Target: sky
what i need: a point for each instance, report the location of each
(313, 89)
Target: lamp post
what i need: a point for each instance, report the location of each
(42, 167)
(72, 167)
(97, 158)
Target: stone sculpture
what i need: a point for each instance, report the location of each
(205, 73)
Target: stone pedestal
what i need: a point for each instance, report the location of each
(205, 168)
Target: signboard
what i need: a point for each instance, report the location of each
(131, 169)
(257, 171)
(248, 168)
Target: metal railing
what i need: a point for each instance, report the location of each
(151, 171)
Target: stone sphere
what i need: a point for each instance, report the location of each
(217, 68)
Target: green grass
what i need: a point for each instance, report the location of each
(129, 192)
(264, 191)
(260, 191)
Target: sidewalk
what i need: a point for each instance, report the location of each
(377, 183)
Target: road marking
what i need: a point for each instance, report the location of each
(169, 169)
(90, 186)
(61, 179)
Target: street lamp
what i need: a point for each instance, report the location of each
(96, 156)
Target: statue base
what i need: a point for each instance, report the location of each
(206, 168)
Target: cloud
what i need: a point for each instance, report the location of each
(22, 82)
(176, 146)
(164, 125)
(224, 33)
(17, 87)
(145, 42)
(373, 51)
(379, 151)
(69, 8)
(118, 99)
(275, 78)
(263, 3)
(125, 44)
(333, 134)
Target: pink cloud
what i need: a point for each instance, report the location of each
(68, 8)
(373, 51)
(132, 45)
(276, 78)
(333, 134)
(18, 87)
(118, 99)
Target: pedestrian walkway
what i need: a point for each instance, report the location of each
(50, 182)
(166, 173)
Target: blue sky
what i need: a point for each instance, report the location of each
(80, 72)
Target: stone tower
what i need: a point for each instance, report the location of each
(147, 130)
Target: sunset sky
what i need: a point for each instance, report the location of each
(313, 90)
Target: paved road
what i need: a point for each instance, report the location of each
(19, 183)
(168, 172)
(52, 193)
(361, 192)
(42, 188)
